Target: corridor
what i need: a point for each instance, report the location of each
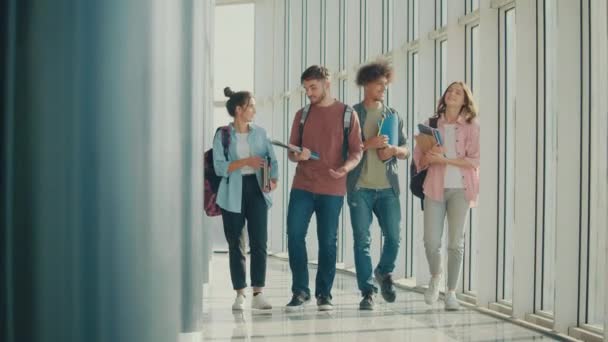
(409, 319)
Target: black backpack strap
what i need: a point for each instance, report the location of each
(225, 132)
(225, 141)
(348, 114)
(303, 118)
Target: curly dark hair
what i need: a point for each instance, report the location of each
(315, 72)
(373, 71)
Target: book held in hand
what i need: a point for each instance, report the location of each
(389, 126)
(266, 174)
(424, 129)
(296, 149)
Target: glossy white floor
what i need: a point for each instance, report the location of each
(408, 319)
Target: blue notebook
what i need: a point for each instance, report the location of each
(389, 126)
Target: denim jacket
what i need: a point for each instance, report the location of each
(229, 195)
(391, 166)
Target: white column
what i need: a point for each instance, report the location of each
(599, 87)
(488, 196)
(525, 161)
(568, 112)
(599, 164)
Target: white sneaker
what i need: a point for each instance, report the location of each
(259, 302)
(432, 292)
(239, 302)
(451, 302)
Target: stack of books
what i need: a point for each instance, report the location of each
(428, 138)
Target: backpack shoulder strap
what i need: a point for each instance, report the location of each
(433, 121)
(348, 115)
(305, 111)
(225, 131)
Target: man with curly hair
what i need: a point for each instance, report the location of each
(373, 186)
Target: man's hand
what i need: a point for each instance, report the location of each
(376, 142)
(338, 173)
(386, 153)
(304, 155)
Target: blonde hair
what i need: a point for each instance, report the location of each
(469, 108)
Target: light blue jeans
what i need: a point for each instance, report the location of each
(455, 207)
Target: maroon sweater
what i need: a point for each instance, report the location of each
(324, 134)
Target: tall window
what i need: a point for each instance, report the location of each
(472, 5)
(598, 149)
(474, 69)
(441, 68)
(413, 86)
(234, 47)
(506, 148)
(549, 193)
(441, 13)
(472, 77)
(412, 16)
(413, 119)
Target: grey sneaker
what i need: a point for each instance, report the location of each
(432, 292)
(451, 302)
(239, 302)
(297, 302)
(324, 304)
(259, 302)
(387, 290)
(367, 303)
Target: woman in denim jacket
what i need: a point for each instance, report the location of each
(242, 196)
(450, 187)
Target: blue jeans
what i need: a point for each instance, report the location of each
(385, 204)
(327, 208)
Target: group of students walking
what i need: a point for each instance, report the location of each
(356, 161)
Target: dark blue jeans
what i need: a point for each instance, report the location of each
(327, 208)
(385, 205)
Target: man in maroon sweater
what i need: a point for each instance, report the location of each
(319, 186)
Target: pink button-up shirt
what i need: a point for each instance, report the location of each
(467, 147)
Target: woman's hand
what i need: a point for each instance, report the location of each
(435, 158)
(273, 185)
(254, 162)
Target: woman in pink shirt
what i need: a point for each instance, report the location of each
(450, 187)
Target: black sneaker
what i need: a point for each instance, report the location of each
(324, 304)
(386, 286)
(367, 303)
(297, 302)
